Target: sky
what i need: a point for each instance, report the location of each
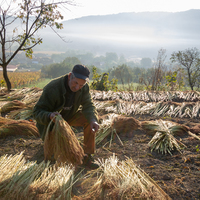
(105, 7)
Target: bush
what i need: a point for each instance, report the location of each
(101, 82)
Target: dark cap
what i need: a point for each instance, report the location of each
(81, 71)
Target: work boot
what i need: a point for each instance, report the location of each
(88, 162)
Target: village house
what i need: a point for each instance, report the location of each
(10, 68)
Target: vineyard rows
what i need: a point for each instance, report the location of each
(20, 79)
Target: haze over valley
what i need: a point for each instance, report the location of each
(128, 34)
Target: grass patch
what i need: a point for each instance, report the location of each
(40, 84)
(128, 87)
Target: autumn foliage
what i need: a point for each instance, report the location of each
(20, 79)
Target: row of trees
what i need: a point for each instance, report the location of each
(185, 71)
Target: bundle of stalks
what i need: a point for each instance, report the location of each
(148, 108)
(105, 106)
(32, 97)
(172, 103)
(160, 109)
(195, 129)
(147, 96)
(106, 128)
(124, 107)
(116, 124)
(62, 143)
(169, 108)
(120, 180)
(177, 129)
(125, 125)
(196, 110)
(16, 94)
(54, 183)
(19, 94)
(153, 126)
(12, 105)
(137, 107)
(3, 91)
(27, 180)
(164, 141)
(11, 97)
(4, 120)
(102, 104)
(22, 114)
(9, 165)
(17, 127)
(150, 126)
(186, 109)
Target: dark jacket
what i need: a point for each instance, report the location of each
(53, 99)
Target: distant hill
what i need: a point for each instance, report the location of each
(131, 34)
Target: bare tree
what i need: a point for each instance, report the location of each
(146, 77)
(190, 62)
(32, 15)
(153, 77)
(159, 69)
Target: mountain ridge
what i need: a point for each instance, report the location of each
(140, 34)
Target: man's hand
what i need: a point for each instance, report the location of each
(94, 126)
(53, 114)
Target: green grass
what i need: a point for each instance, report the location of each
(128, 87)
(121, 87)
(39, 84)
(42, 83)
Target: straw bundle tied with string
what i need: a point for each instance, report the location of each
(116, 179)
(21, 179)
(12, 105)
(17, 127)
(164, 132)
(62, 143)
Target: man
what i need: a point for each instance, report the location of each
(64, 96)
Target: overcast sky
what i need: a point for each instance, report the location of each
(104, 7)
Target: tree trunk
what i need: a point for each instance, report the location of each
(189, 78)
(5, 75)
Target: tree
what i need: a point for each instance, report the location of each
(146, 77)
(190, 62)
(153, 77)
(171, 79)
(33, 16)
(111, 59)
(122, 73)
(159, 69)
(57, 69)
(146, 62)
(101, 82)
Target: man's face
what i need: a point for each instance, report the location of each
(75, 84)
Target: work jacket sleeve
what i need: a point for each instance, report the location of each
(44, 106)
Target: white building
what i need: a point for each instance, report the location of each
(10, 68)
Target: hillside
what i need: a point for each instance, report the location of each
(131, 34)
(139, 34)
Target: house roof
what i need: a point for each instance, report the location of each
(10, 68)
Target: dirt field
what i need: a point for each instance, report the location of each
(178, 175)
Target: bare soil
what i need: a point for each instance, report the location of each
(178, 175)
